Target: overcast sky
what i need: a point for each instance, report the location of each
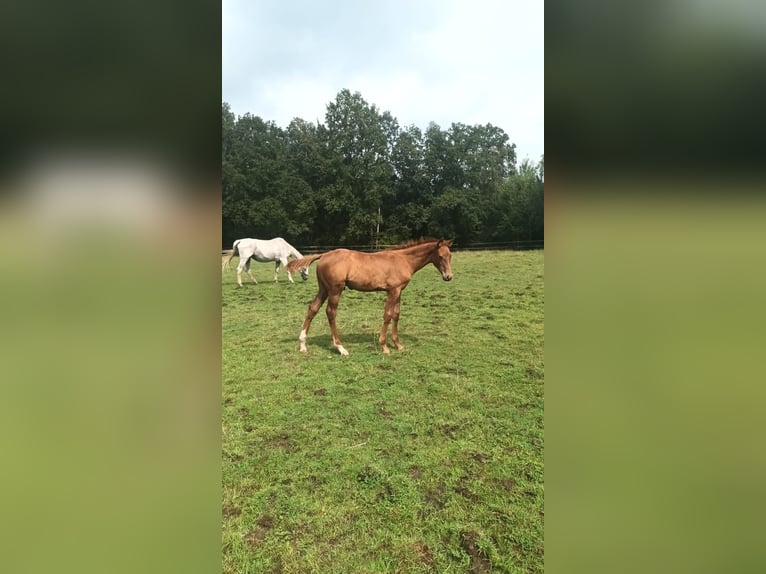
(468, 61)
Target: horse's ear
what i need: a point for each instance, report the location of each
(448, 242)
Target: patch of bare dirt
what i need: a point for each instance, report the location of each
(509, 484)
(479, 561)
(463, 488)
(480, 457)
(282, 442)
(449, 430)
(255, 537)
(424, 553)
(258, 534)
(436, 496)
(229, 511)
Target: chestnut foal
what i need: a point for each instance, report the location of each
(389, 271)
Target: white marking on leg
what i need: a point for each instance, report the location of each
(342, 350)
(302, 339)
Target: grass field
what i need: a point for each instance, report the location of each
(426, 460)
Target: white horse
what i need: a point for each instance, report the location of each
(264, 250)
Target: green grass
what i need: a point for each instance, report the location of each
(425, 460)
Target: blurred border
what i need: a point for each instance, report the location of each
(109, 254)
(654, 217)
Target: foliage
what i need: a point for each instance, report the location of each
(361, 178)
(426, 460)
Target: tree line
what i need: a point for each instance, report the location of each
(360, 178)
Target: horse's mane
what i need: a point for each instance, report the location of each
(413, 242)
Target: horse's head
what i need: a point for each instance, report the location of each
(304, 273)
(442, 258)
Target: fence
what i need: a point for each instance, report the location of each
(521, 245)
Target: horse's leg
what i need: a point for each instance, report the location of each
(247, 266)
(241, 266)
(314, 307)
(289, 275)
(332, 311)
(276, 271)
(392, 300)
(386, 321)
(395, 327)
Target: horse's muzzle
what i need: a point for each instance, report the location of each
(447, 277)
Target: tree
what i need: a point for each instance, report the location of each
(360, 141)
(456, 214)
(408, 209)
(521, 205)
(359, 178)
(442, 166)
(253, 162)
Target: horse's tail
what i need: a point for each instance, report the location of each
(303, 262)
(235, 251)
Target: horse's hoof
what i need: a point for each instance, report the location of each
(342, 350)
(386, 351)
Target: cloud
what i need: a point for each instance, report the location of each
(442, 61)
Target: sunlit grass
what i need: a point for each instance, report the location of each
(426, 460)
